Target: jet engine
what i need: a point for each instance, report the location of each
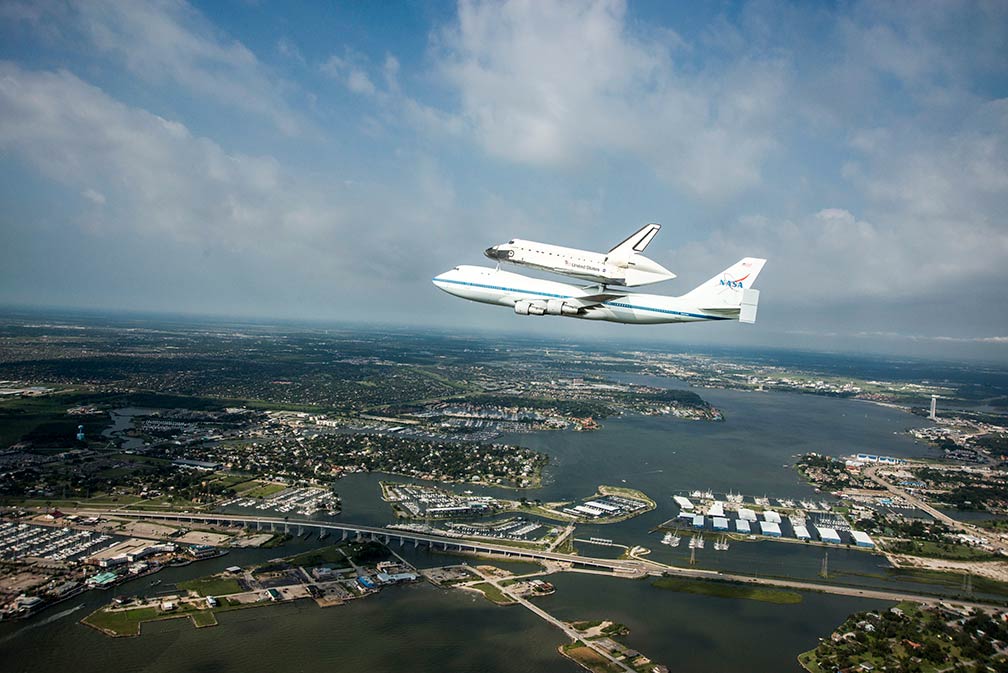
(560, 307)
(525, 307)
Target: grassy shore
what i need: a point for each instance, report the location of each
(119, 623)
(212, 586)
(492, 593)
(728, 590)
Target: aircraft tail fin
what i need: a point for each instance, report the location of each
(636, 242)
(731, 290)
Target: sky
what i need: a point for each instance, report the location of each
(323, 161)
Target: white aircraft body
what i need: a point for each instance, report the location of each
(727, 296)
(623, 265)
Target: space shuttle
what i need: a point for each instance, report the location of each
(624, 265)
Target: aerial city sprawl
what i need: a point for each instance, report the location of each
(503, 336)
(134, 458)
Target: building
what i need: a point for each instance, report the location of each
(771, 516)
(698, 521)
(717, 509)
(720, 523)
(770, 529)
(861, 539)
(742, 526)
(801, 532)
(202, 551)
(934, 408)
(828, 535)
(684, 503)
(102, 579)
(746, 514)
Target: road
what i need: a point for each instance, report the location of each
(568, 630)
(872, 473)
(633, 568)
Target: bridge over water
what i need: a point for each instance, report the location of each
(386, 536)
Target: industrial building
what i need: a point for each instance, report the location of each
(717, 509)
(698, 521)
(720, 523)
(828, 535)
(742, 526)
(770, 528)
(771, 516)
(746, 514)
(861, 539)
(801, 532)
(684, 503)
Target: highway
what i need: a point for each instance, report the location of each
(872, 473)
(629, 568)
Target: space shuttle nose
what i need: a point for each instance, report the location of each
(493, 253)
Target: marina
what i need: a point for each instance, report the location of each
(803, 520)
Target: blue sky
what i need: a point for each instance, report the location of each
(325, 160)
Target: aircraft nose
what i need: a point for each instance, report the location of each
(495, 253)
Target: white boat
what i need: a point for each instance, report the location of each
(722, 544)
(671, 540)
(807, 504)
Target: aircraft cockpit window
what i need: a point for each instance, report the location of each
(511, 242)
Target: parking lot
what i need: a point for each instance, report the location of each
(23, 540)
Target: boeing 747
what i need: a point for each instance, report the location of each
(727, 296)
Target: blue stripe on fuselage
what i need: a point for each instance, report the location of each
(567, 296)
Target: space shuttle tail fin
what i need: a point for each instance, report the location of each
(636, 242)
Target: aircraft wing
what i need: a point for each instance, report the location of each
(589, 300)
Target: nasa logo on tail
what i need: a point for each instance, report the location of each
(736, 284)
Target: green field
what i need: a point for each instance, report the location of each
(320, 556)
(728, 590)
(954, 552)
(122, 622)
(492, 593)
(212, 586)
(203, 618)
(263, 490)
(128, 622)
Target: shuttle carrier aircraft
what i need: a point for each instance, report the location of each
(727, 296)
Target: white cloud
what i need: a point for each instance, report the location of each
(155, 178)
(350, 74)
(94, 196)
(554, 84)
(167, 41)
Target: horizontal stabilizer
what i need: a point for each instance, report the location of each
(750, 300)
